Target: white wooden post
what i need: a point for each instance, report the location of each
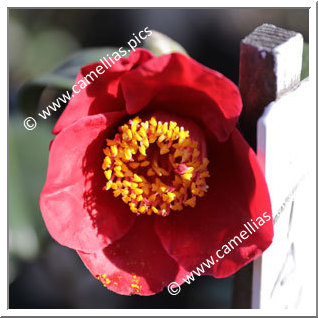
(270, 68)
(285, 147)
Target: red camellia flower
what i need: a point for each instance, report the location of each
(148, 175)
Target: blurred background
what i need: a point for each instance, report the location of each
(43, 274)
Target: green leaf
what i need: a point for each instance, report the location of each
(305, 65)
(61, 78)
(160, 44)
(28, 154)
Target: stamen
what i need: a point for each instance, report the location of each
(155, 167)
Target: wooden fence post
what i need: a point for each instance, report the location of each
(270, 66)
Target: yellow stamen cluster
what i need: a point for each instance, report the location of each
(155, 167)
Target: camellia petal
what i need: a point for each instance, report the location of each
(76, 211)
(237, 194)
(136, 263)
(147, 121)
(179, 84)
(96, 89)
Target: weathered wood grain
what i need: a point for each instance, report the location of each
(270, 65)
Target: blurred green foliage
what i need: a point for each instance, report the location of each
(305, 65)
(28, 154)
(33, 53)
(62, 77)
(159, 44)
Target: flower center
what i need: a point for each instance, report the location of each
(155, 167)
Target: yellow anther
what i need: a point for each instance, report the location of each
(187, 143)
(167, 181)
(161, 138)
(142, 150)
(137, 136)
(146, 190)
(107, 152)
(154, 209)
(114, 150)
(134, 165)
(163, 188)
(142, 209)
(106, 163)
(205, 163)
(128, 154)
(145, 142)
(118, 183)
(150, 172)
(111, 142)
(108, 174)
(141, 157)
(137, 178)
(201, 182)
(153, 121)
(117, 168)
(138, 191)
(128, 174)
(136, 120)
(190, 169)
(108, 185)
(205, 174)
(126, 184)
(168, 197)
(163, 206)
(118, 162)
(126, 199)
(133, 207)
(152, 139)
(153, 197)
(172, 125)
(176, 133)
(190, 202)
(119, 174)
(164, 128)
(142, 132)
(195, 153)
(187, 176)
(117, 193)
(124, 192)
(145, 125)
(145, 163)
(171, 196)
(159, 125)
(124, 168)
(129, 133)
(182, 135)
(176, 207)
(134, 185)
(164, 150)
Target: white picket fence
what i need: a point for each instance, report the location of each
(279, 121)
